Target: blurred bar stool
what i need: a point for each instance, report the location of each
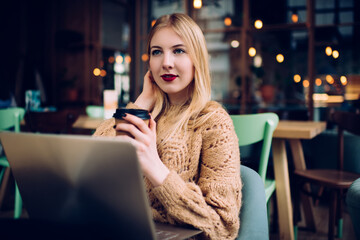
(337, 180)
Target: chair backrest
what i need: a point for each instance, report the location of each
(253, 128)
(11, 118)
(345, 121)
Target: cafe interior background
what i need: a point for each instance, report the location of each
(297, 58)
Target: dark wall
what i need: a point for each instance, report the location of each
(48, 44)
(26, 46)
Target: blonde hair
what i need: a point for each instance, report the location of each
(200, 87)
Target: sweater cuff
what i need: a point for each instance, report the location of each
(171, 189)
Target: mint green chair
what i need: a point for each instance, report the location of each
(254, 128)
(95, 111)
(10, 118)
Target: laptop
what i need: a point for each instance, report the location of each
(85, 181)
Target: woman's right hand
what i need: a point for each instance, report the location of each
(147, 98)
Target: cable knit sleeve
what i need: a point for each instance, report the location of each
(212, 203)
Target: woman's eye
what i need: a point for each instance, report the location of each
(155, 52)
(179, 51)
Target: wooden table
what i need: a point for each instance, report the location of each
(293, 132)
(85, 122)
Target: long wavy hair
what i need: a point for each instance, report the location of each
(200, 87)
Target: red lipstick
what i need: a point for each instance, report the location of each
(168, 77)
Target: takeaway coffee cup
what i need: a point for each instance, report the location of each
(120, 113)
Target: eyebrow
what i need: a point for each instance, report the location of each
(175, 46)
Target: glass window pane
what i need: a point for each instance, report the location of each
(346, 17)
(162, 7)
(321, 4)
(324, 19)
(347, 3)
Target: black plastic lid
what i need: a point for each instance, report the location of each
(141, 113)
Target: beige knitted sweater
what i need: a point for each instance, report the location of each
(203, 188)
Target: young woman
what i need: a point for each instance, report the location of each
(189, 153)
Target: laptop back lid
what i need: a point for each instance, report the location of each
(80, 180)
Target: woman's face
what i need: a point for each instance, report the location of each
(170, 64)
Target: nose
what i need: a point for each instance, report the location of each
(168, 61)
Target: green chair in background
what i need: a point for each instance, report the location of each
(254, 128)
(337, 181)
(95, 111)
(10, 119)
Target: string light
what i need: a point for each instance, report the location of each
(318, 82)
(252, 52)
(102, 73)
(343, 80)
(111, 59)
(335, 54)
(235, 43)
(144, 57)
(329, 79)
(294, 18)
(96, 72)
(227, 21)
(258, 24)
(280, 58)
(328, 51)
(306, 83)
(128, 59)
(257, 61)
(297, 78)
(197, 4)
(119, 59)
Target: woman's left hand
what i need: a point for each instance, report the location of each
(145, 142)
